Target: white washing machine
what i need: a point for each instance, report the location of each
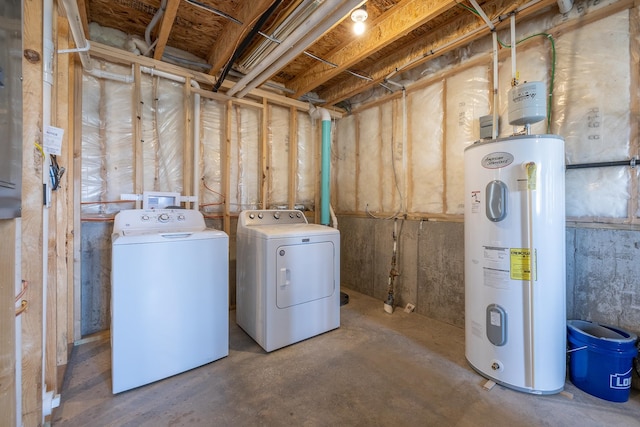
(169, 295)
(287, 277)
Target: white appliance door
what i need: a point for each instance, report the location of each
(305, 272)
(169, 307)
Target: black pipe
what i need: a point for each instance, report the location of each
(245, 43)
(630, 162)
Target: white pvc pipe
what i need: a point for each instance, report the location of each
(101, 74)
(326, 16)
(196, 145)
(483, 15)
(75, 24)
(531, 169)
(403, 196)
(494, 130)
(514, 73)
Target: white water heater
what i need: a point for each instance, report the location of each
(514, 230)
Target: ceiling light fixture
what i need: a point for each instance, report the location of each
(358, 16)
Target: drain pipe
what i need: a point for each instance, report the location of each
(326, 165)
(325, 208)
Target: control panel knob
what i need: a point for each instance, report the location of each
(260, 215)
(299, 214)
(163, 217)
(145, 217)
(252, 215)
(181, 217)
(276, 215)
(291, 215)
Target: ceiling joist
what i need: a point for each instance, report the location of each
(392, 25)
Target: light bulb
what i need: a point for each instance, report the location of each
(358, 28)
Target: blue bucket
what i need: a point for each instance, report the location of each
(601, 359)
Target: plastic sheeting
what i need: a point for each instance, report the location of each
(467, 100)
(369, 157)
(107, 141)
(425, 139)
(212, 195)
(278, 156)
(392, 184)
(592, 113)
(108, 146)
(344, 165)
(163, 134)
(591, 110)
(306, 176)
(244, 168)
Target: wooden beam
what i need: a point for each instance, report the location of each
(232, 34)
(119, 56)
(8, 230)
(293, 157)
(82, 9)
(389, 27)
(76, 123)
(440, 42)
(138, 156)
(188, 168)
(32, 268)
(168, 18)
(226, 167)
(264, 157)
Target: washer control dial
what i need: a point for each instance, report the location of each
(163, 217)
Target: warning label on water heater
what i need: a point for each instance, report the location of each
(522, 264)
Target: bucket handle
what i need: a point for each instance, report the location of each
(576, 349)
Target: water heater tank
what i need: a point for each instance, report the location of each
(527, 103)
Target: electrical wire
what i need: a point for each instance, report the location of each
(553, 69)
(55, 173)
(553, 61)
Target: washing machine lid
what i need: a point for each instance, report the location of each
(166, 237)
(288, 230)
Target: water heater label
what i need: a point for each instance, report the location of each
(495, 267)
(521, 265)
(497, 160)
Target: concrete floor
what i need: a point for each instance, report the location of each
(376, 369)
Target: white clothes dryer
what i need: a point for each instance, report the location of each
(169, 295)
(287, 277)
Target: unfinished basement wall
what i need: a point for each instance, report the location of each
(136, 137)
(594, 107)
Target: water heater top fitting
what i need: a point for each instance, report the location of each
(527, 104)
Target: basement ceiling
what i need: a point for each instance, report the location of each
(304, 48)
